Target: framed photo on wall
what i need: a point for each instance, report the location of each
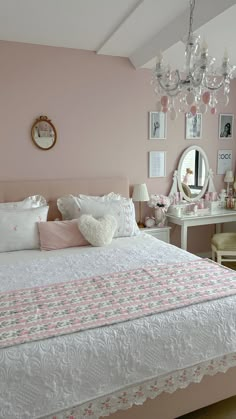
(157, 164)
(224, 161)
(157, 126)
(226, 122)
(193, 126)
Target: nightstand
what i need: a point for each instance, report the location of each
(161, 233)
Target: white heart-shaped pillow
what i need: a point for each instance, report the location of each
(98, 232)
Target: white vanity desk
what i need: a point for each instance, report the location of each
(195, 158)
(185, 221)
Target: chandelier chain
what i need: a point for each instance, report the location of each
(192, 6)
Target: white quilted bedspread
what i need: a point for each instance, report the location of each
(40, 378)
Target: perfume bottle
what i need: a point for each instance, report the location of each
(222, 196)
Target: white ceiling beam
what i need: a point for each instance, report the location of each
(204, 11)
(102, 46)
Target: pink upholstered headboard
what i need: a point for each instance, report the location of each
(52, 189)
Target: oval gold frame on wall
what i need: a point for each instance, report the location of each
(43, 133)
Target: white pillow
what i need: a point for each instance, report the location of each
(34, 201)
(123, 211)
(111, 195)
(19, 229)
(67, 207)
(97, 232)
(70, 211)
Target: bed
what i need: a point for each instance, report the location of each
(159, 365)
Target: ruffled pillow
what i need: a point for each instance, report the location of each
(110, 196)
(70, 210)
(33, 201)
(98, 232)
(67, 207)
(123, 211)
(18, 228)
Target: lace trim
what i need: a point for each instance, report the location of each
(137, 395)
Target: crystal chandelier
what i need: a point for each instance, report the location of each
(200, 86)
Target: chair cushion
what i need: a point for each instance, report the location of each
(224, 241)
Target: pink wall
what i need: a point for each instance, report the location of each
(99, 106)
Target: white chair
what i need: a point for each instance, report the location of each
(223, 246)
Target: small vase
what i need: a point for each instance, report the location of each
(160, 216)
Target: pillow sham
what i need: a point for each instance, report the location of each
(67, 207)
(60, 234)
(18, 228)
(98, 232)
(70, 211)
(33, 201)
(111, 195)
(123, 211)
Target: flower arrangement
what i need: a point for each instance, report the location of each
(161, 201)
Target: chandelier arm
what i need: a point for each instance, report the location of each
(214, 88)
(193, 82)
(174, 93)
(168, 88)
(197, 83)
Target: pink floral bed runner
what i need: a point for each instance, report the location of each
(42, 312)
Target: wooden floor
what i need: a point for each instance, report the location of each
(222, 410)
(231, 265)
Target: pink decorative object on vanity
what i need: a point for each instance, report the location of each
(160, 203)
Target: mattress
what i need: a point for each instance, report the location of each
(39, 379)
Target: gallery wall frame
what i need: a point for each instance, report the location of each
(226, 124)
(193, 126)
(157, 126)
(156, 164)
(224, 161)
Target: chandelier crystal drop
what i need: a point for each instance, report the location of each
(200, 86)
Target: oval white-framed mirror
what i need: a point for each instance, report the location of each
(193, 173)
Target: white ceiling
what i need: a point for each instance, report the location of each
(136, 29)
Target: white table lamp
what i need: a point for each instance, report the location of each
(140, 194)
(229, 178)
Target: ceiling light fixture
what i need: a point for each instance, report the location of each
(195, 89)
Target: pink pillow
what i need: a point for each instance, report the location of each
(60, 234)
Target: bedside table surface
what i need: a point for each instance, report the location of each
(161, 233)
(155, 228)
